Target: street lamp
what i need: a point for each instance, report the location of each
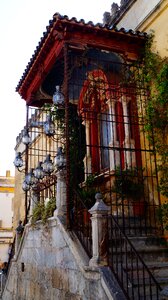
(58, 98)
(39, 172)
(25, 186)
(49, 126)
(18, 161)
(29, 178)
(60, 160)
(48, 166)
(26, 139)
(34, 176)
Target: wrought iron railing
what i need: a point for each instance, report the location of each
(81, 223)
(133, 275)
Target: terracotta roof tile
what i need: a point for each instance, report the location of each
(73, 20)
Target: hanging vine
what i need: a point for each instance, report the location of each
(154, 72)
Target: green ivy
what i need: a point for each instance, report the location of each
(154, 75)
(129, 183)
(163, 215)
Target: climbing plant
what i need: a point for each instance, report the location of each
(43, 212)
(154, 75)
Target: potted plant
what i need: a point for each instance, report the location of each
(129, 186)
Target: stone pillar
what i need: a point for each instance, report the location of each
(99, 213)
(114, 154)
(34, 200)
(87, 159)
(130, 159)
(19, 232)
(61, 207)
(16, 244)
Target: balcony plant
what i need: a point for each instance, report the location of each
(129, 185)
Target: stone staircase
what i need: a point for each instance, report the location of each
(154, 252)
(132, 271)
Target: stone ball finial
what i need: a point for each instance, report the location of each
(106, 17)
(114, 8)
(98, 197)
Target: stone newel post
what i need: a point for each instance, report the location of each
(33, 201)
(61, 195)
(99, 220)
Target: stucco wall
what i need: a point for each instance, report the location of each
(55, 267)
(6, 215)
(6, 209)
(18, 200)
(158, 23)
(149, 16)
(4, 253)
(137, 13)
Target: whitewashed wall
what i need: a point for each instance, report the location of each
(55, 267)
(137, 13)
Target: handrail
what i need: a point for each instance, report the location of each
(133, 275)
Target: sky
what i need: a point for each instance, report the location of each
(22, 23)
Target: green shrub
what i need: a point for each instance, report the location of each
(43, 212)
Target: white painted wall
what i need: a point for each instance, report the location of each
(6, 209)
(4, 255)
(137, 13)
(55, 267)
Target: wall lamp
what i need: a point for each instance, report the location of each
(43, 169)
(60, 160)
(48, 127)
(18, 161)
(26, 139)
(58, 98)
(47, 167)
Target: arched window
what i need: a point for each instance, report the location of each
(111, 122)
(94, 109)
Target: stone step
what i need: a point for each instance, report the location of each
(138, 287)
(147, 254)
(135, 226)
(159, 270)
(153, 250)
(150, 248)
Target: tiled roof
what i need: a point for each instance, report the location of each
(81, 22)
